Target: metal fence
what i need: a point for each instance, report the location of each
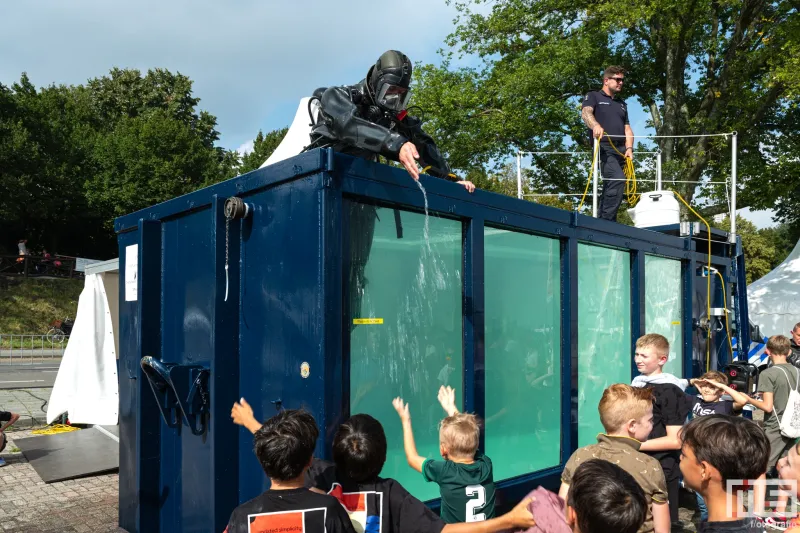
(32, 266)
(29, 349)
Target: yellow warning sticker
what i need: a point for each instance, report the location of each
(676, 322)
(361, 321)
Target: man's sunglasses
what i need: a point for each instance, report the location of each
(618, 80)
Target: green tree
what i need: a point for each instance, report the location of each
(764, 249)
(145, 160)
(74, 157)
(698, 67)
(263, 146)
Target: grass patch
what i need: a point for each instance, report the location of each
(28, 306)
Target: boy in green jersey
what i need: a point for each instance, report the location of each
(465, 476)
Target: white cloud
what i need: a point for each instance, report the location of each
(251, 61)
(245, 148)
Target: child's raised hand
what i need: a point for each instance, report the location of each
(447, 399)
(242, 413)
(708, 382)
(401, 407)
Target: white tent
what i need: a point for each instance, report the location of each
(774, 300)
(298, 136)
(86, 385)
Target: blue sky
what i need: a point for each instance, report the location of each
(251, 61)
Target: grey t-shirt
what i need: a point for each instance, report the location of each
(774, 380)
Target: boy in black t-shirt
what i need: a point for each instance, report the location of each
(284, 446)
(376, 504)
(465, 476)
(711, 386)
(670, 408)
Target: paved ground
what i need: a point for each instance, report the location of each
(28, 404)
(19, 376)
(28, 505)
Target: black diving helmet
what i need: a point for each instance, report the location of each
(389, 80)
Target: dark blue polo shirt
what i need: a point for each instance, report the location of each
(611, 113)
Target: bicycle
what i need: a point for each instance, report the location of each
(59, 330)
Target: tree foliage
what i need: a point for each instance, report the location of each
(764, 249)
(697, 67)
(263, 146)
(74, 157)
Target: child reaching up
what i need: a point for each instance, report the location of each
(465, 476)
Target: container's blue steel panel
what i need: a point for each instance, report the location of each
(288, 270)
(282, 311)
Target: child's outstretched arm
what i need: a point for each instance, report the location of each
(242, 414)
(519, 517)
(414, 459)
(447, 399)
(739, 399)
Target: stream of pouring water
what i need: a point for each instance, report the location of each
(426, 233)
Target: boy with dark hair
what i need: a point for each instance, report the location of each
(464, 477)
(627, 416)
(670, 408)
(375, 504)
(604, 498)
(284, 446)
(711, 385)
(715, 450)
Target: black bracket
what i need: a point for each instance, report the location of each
(157, 374)
(181, 392)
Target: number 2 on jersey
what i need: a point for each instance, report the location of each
(476, 503)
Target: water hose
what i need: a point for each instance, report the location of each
(725, 303)
(628, 170)
(708, 280)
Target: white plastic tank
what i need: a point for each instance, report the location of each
(657, 208)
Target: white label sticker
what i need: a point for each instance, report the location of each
(131, 272)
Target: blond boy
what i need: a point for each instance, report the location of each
(671, 406)
(464, 477)
(627, 415)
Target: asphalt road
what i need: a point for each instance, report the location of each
(28, 375)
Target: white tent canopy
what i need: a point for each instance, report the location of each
(299, 134)
(774, 300)
(86, 385)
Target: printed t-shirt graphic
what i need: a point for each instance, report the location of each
(364, 508)
(287, 521)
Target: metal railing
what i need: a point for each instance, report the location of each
(29, 349)
(33, 266)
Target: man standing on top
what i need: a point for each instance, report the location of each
(604, 112)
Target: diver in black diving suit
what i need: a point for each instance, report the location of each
(366, 120)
